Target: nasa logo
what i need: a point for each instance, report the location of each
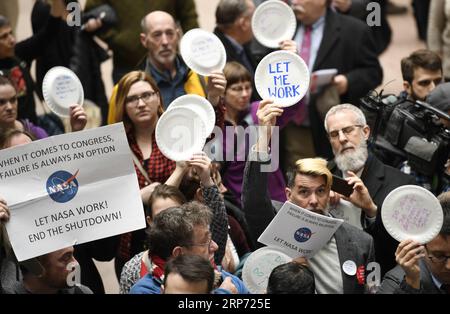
(62, 186)
(302, 235)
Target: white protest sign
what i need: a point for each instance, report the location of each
(282, 76)
(272, 22)
(259, 266)
(203, 51)
(299, 232)
(70, 189)
(412, 212)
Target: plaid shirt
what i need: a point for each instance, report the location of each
(158, 167)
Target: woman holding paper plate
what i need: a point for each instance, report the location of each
(241, 113)
(139, 106)
(8, 113)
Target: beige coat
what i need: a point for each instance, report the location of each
(438, 39)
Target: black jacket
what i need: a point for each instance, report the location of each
(380, 180)
(348, 46)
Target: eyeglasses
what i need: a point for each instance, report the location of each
(12, 101)
(207, 243)
(146, 98)
(347, 130)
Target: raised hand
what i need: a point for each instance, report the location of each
(78, 118)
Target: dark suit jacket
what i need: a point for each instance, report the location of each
(394, 282)
(232, 55)
(348, 46)
(352, 243)
(380, 180)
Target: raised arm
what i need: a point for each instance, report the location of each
(256, 202)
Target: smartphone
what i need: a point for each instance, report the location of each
(341, 186)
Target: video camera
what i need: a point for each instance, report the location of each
(404, 129)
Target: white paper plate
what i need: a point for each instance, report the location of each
(412, 212)
(61, 89)
(272, 22)
(203, 51)
(180, 133)
(259, 265)
(282, 76)
(199, 104)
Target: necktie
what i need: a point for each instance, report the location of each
(305, 52)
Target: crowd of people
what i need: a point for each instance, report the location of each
(204, 216)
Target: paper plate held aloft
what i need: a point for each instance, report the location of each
(203, 51)
(272, 22)
(180, 133)
(282, 76)
(61, 88)
(259, 265)
(412, 212)
(199, 104)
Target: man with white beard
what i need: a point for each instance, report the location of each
(348, 132)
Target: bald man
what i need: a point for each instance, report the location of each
(160, 36)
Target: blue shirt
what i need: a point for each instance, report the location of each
(170, 88)
(150, 285)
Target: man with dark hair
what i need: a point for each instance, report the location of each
(55, 276)
(234, 29)
(188, 274)
(422, 72)
(423, 268)
(291, 278)
(16, 58)
(179, 231)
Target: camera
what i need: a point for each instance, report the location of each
(403, 129)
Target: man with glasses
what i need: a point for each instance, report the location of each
(348, 133)
(308, 186)
(423, 268)
(161, 36)
(179, 231)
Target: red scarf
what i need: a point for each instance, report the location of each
(157, 270)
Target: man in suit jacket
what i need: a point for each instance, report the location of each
(234, 29)
(423, 269)
(308, 187)
(348, 132)
(337, 42)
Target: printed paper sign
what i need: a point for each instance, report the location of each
(70, 189)
(299, 232)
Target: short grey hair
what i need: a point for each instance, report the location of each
(360, 118)
(228, 11)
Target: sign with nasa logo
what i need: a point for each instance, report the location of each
(299, 232)
(70, 189)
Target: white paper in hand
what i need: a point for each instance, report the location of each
(299, 232)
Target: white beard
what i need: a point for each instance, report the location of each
(352, 161)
